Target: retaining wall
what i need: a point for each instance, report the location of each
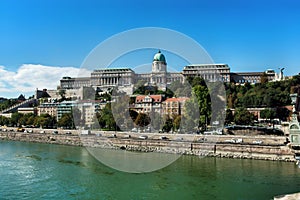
(272, 147)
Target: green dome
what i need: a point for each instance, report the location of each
(159, 57)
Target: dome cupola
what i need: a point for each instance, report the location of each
(159, 57)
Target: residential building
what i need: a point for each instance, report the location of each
(148, 103)
(48, 108)
(65, 107)
(28, 110)
(174, 106)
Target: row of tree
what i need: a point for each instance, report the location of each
(43, 121)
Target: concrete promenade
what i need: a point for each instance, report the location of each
(231, 146)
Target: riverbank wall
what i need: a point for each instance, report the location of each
(265, 147)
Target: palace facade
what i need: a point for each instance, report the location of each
(125, 78)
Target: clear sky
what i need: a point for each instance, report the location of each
(54, 36)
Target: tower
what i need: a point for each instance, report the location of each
(159, 70)
(159, 63)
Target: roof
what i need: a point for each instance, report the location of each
(179, 99)
(155, 98)
(113, 70)
(206, 66)
(159, 57)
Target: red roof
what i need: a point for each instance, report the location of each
(155, 98)
(179, 99)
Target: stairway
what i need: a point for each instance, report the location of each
(15, 107)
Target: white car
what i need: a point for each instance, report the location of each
(134, 130)
(143, 137)
(257, 142)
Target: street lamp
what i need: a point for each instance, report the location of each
(294, 129)
(294, 97)
(294, 100)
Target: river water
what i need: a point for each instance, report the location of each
(43, 171)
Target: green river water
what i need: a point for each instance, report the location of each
(43, 171)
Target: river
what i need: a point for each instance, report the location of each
(43, 171)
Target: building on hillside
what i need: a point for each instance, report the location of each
(48, 108)
(64, 108)
(209, 72)
(174, 106)
(88, 109)
(252, 77)
(74, 83)
(41, 94)
(148, 103)
(21, 98)
(28, 110)
(112, 77)
(125, 78)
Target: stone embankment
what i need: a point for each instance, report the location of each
(73, 140)
(248, 147)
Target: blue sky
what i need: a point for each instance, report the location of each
(247, 35)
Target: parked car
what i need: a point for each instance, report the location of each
(134, 130)
(68, 133)
(112, 136)
(163, 138)
(20, 129)
(257, 142)
(55, 132)
(143, 137)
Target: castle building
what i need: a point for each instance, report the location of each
(209, 72)
(125, 78)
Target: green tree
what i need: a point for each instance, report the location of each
(142, 120)
(106, 118)
(176, 122)
(168, 124)
(4, 120)
(15, 119)
(24, 120)
(45, 121)
(243, 117)
(66, 121)
(268, 114)
(282, 113)
(190, 118)
(204, 103)
(229, 117)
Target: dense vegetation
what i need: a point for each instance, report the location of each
(6, 103)
(68, 120)
(272, 96)
(30, 120)
(269, 94)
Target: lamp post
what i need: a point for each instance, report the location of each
(294, 129)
